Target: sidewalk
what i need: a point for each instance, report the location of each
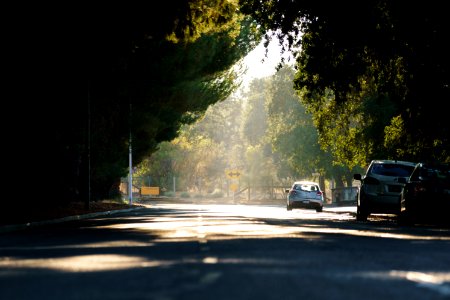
(22, 226)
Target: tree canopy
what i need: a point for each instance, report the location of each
(148, 70)
(155, 70)
(374, 73)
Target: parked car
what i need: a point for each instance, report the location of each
(380, 188)
(305, 194)
(427, 193)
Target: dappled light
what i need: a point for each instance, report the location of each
(82, 263)
(218, 222)
(221, 150)
(434, 281)
(170, 249)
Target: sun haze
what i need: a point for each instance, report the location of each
(258, 65)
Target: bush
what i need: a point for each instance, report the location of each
(185, 195)
(169, 194)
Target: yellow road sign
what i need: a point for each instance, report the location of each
(234, 187)
(233, 174)
(150, 190)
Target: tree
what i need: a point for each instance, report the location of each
(146, 72)
(294, 136)
(165, 68)
(377, 68)
(291, 130)
(202, 151)
(254, 124)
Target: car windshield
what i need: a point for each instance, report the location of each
(392, 170)
(306, 187)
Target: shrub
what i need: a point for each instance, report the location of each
(185, 195)
(169, 194)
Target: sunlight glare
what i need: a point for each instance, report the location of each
(82, 263)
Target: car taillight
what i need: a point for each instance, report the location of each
(292, 192)
(319, 193)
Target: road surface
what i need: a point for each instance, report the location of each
(208, 251)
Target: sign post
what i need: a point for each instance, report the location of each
(233, 174)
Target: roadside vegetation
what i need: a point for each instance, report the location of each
(263, 131)
(370, 81)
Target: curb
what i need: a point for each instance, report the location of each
(14, 227)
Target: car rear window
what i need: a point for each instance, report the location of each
(306, 187)
(397, 170)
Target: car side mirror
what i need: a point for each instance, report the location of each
(357, 177)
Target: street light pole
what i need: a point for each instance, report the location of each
(88, 200)
(130, 168)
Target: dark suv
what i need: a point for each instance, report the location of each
(380, 188)
(427, 193)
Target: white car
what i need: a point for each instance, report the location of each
(380, 188)
(305, 194)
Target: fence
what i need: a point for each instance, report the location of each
(262, 192)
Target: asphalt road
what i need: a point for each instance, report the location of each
(206, 251)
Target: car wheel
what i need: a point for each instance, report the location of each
(319, 209)
(405, 218)
(399, 206)
(289, 207)
(361, 215)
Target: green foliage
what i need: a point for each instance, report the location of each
(266, 133)
(169, 194)
(204, 17)
(294, 136)
(149, 72)
(185, 195)
(393, 135)
(160, 166)
(255, 116)
(196, 157)
(364, 64)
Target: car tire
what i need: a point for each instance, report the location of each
(408, 216)
(288, 207)
(399, 206)
(319, 209)
(405, 218)
(361, 215)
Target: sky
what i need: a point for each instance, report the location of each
(259, 69)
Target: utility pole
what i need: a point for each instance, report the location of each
(130, 168)
(88, 200)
